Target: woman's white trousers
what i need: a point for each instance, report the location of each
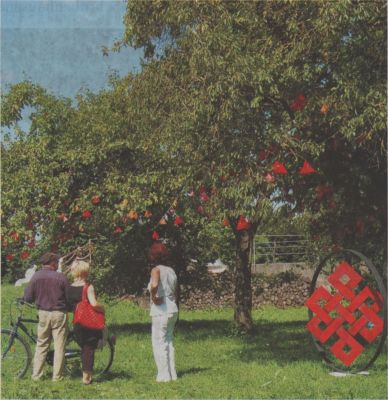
(164, 355)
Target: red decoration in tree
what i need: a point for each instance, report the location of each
(178, 220)
(242, 223)
(225, 222)
(324, 109)
(24, 255)
(31, 243)
(306, 169)
(299, 103)
(15, 236)
(9, 257)
(201, 209)
(321, 190)
(62, 217)
(269, 178)
(155, 235)
(86, 214)
(279, 168)
(96, 200)
(118, 230)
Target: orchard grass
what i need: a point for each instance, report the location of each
(213, 361)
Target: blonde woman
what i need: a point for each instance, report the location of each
(86, 338)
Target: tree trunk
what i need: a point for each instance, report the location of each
(243, 282)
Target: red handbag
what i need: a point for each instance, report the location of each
(86, 316)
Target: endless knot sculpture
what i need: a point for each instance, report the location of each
(349, 313)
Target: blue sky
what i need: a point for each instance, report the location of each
(57, 43)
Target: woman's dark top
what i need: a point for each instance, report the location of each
(83, 336)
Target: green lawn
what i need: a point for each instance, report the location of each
(279, 361)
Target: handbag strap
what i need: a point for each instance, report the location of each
(85, 294)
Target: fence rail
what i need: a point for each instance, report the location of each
(279, 248)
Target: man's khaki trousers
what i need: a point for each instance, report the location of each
(52, 325)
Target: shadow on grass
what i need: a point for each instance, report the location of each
(191, 371)
(280, 342)
(110, 376)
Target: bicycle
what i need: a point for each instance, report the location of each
(16, 355)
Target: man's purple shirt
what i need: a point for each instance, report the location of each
(47, 289)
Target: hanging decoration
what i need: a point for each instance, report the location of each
(279, 168)
(269, 178)
(162, 221)
(24, 255)
(86, 214)
(324, 109)
(243, 223)
(118, 230)
(178, 220)
(155, 235)
(95, 200)
(147, 214)
(299, 103)
(225, 222)
(307, 169)
(133, 215)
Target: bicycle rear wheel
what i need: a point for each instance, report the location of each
(103, 358)
(15, 355)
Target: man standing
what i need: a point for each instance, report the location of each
(47, 289)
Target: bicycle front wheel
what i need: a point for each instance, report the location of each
(15, 355)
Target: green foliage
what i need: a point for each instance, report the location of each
(217, 102)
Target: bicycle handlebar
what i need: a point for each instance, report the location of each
(20, 301)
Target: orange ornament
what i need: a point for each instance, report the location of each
(133, 215)
(225, 222)
(324, 109)
(162, 221)
(147, 214)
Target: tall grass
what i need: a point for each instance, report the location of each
(277, 361)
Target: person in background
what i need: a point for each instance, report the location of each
(164, 311)
(47, 289)
(86, 338)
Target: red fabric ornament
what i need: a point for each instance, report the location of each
(178, 220)
(299, 103)
(9, 257)
(269, 178)
(86, 214)
(24, 255)
(243, 224)
(118, 230)
(15, 236)
(155, 235)
(279, 168)
(203, 197)
(31, 243)
(62, 217)
(321, 191)
(307, 169)
(96, 200)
